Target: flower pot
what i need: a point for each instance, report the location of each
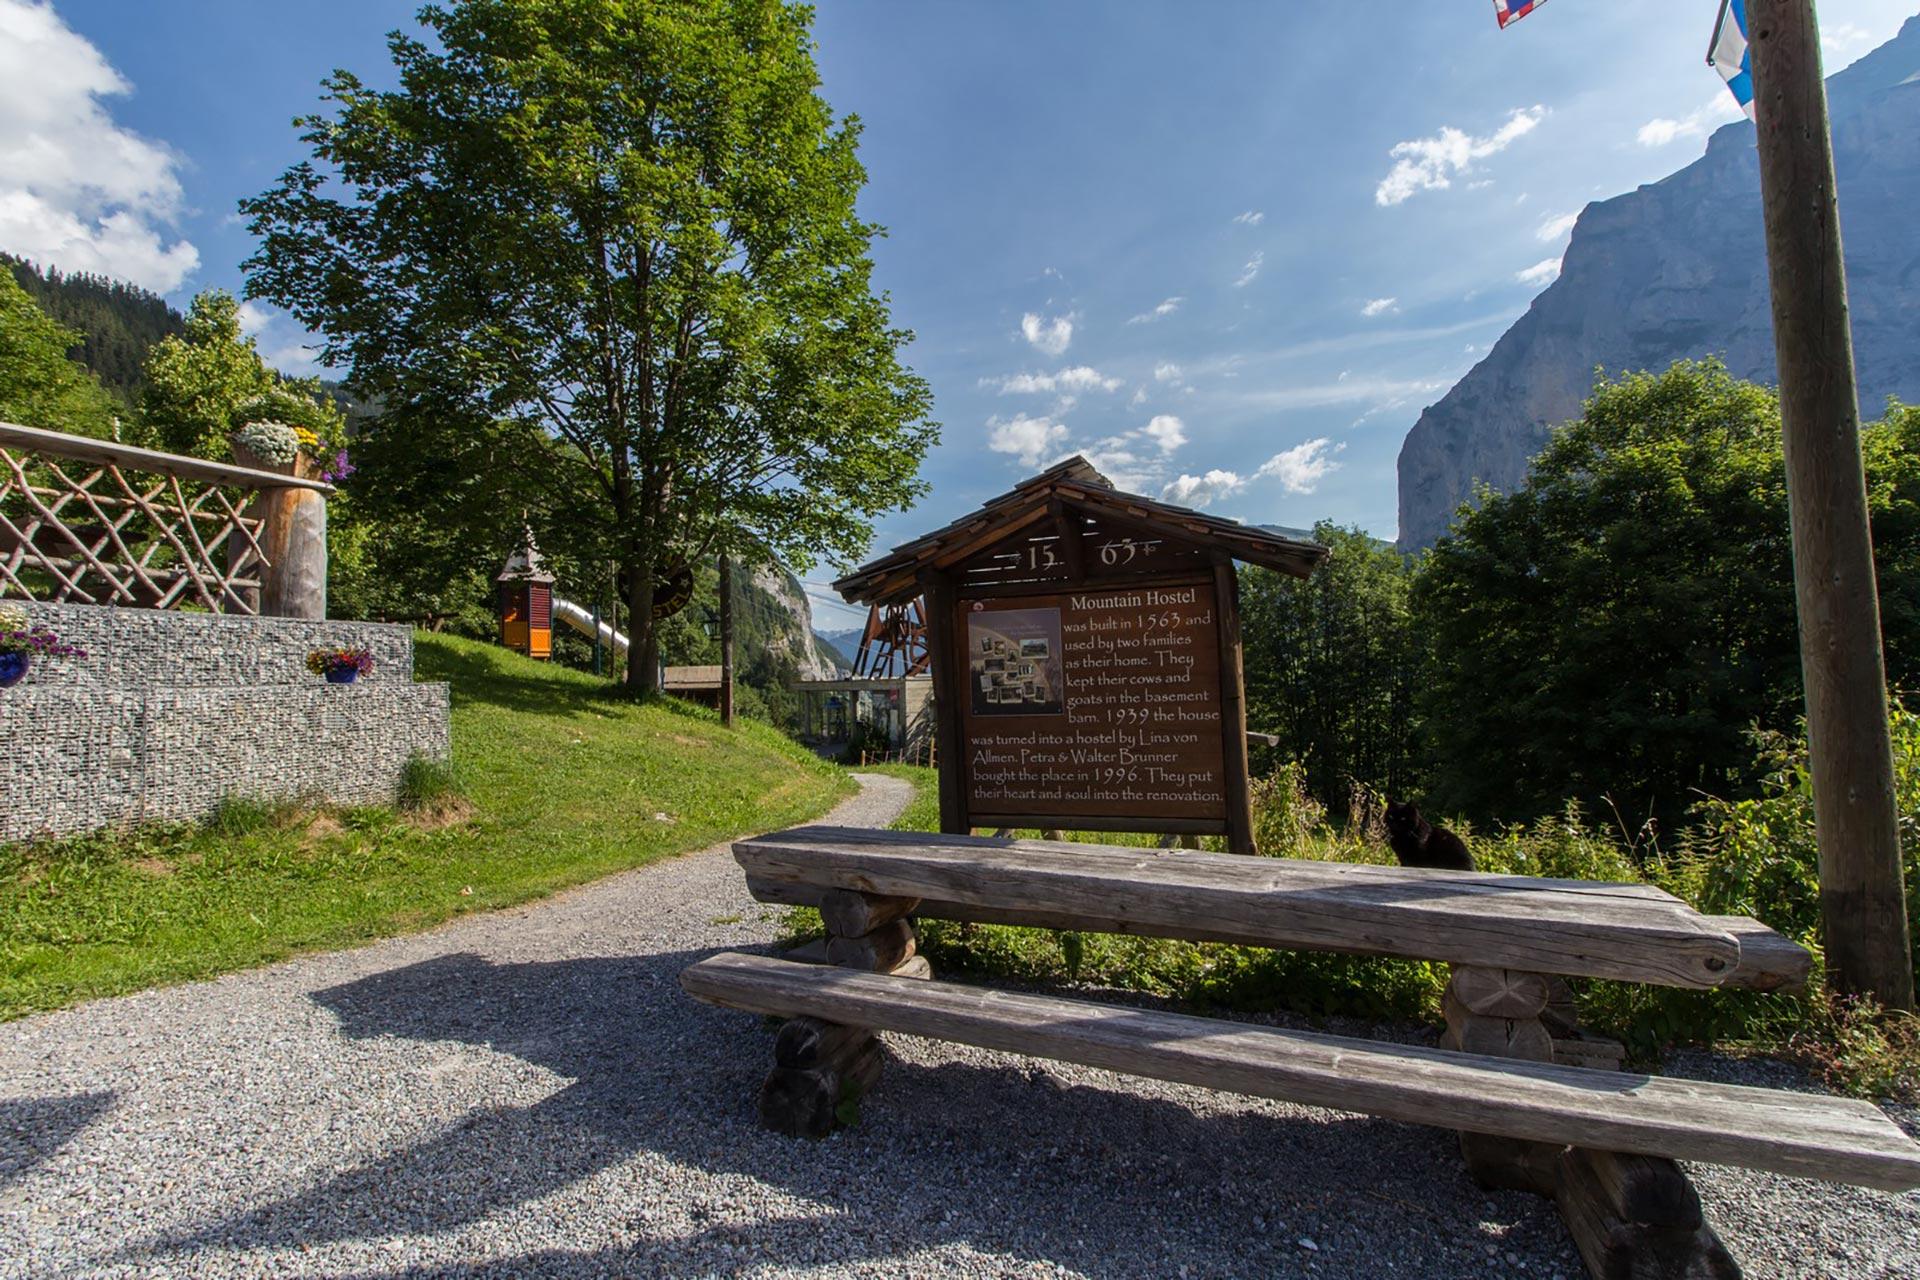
(13, 668)
(343, 675)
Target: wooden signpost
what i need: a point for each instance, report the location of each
(1086, 658)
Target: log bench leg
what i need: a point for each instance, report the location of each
(1497, 1012)
(821, 1067)
(1633, 1217)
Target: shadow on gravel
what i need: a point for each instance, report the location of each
(33, 1130)
(1010, 1161)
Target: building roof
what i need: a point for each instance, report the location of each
(524, 565)
(1074, 484)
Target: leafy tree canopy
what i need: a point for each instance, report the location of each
(1612, 629)
(39, 385)
(624, 234)
(205, 383)
(118, 322)
(1330, 664)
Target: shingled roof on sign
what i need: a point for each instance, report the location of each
(1071, 489)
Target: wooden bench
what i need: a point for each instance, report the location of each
(1602, 1143)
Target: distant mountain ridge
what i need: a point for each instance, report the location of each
(1678, 269)
(118, 322)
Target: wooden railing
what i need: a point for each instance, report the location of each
(87, 521)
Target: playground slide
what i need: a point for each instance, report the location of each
(582, 621)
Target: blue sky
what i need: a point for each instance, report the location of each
(1229, 250)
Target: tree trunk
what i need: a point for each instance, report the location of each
(726, 639)
(1856, 818)
(643, 650)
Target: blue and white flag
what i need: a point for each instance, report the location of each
(1512, 10)
(1729, 54)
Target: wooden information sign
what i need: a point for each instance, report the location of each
(1085, 646)
(1100, 702)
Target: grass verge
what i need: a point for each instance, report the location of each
(555, 781)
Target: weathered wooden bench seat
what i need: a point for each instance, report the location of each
(1578, 928)
(1810, 1135)
(1512, 1075)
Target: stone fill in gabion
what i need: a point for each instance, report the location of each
(170, 713)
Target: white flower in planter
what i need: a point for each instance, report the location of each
(275, 441)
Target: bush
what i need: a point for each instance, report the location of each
(427, 785)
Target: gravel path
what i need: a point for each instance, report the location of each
(528, 1093)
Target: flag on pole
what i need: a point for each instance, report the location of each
(1728, 54)
(1514, 10)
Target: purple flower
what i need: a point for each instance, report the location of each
(39, 642)
(341, 467)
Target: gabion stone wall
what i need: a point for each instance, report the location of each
(170, 713)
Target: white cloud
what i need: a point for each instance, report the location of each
(1711, 114)
(1052, 336)
(1165, 308)
(1078, 378)
(1166, 371)
(1166, 431)
(1342, 391)
(1428, 164)
(1380, 306)
(1198, 491)
(1302, 468)
(254, 318)
(77, 191)
(1028, 439)
(283, 344)
(1554, 228)
(1844, 36)
(1252, 269)
(1251, 218)
(1545, 271)
(1138, 398)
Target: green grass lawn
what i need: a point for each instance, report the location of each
(565, 783)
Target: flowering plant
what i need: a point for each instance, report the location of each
(327, 661)
(275, 441)
(16, 636)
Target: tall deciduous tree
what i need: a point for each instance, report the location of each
(39, 385)
(627, 231)
(1612, 629)
(197, 382)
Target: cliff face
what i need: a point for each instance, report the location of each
(790, 628)
(1678, 269)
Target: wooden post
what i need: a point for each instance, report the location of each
(1233, 709)
(949, 686)
(293, 538)
(1842, 668)
(726, 639)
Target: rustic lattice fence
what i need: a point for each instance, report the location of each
(92, 522)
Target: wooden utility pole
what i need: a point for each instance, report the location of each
(726, 639)
(1863, 907)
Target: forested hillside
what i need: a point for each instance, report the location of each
(119, 322)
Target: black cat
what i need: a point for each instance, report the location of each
(1418, 843)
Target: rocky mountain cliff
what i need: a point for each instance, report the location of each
(787, 628)
(1678, 269)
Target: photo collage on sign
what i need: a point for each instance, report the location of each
(1014, 666)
